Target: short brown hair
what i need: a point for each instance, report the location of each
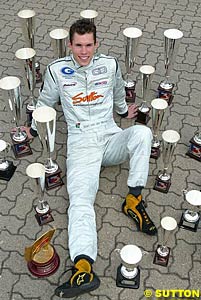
(81, 27)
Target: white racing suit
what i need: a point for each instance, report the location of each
(88, 97)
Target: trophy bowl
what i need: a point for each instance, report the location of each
(59, 42)
(89, 14)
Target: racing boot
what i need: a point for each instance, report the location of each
(82, 280)
(135, 209)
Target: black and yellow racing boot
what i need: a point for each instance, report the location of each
(135, 209)
(82, 280)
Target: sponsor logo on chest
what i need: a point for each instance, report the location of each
(88, 98)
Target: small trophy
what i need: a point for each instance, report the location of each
(27, 20)
(190, 219)
(158, 109)
(43, 212)
(89, 14)
(163, 251)
(7, 168)
(131, 36)
(59, 42)
(42, 258)
(128, 273)
(12, 95)
(27, 58)
(163, 179)
(143, 111)
(171, 46)
(45, 118)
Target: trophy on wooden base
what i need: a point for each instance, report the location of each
(7, 167)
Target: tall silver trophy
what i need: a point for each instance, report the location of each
(7, 167)
(89, 14)
(59, 42)
(132, 37)
(171, 46)
(194, 149)
(143, 111)
(36, 171)
(26, 58)
(190, 217)
(10, 86)
(162, 253)
(158, 107)
(28, 23)
(170, 139)
(45, 119)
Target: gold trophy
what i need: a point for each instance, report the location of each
(42, 258)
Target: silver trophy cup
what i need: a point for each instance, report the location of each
(143, 111)
(89, 14)
(132, 37)
(158, 107)
(170, 139)
(194, 149)
(7, 168)
(128, 273)
(162, 253)
(59, 42)
(36, 171)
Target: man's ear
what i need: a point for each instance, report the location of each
(69, 45)
(96, 44)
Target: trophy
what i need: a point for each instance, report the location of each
(27, 19)
(143, 111)
(158, 110)
(89, 14)
(45, 118)
(171, 46)
(190, 219)
(7, 168)
(12, 95)
(132, 36)
(163, 251)
(27, 58)
(42, 258)
(163, 179)
(43, 212)
(128, 273)
(59, 42)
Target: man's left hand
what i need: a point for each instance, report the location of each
(132, 111)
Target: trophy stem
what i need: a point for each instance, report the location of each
(19, 136)
(144, 108)
(155, 141)
(166, 84)
(50, 166)
(42, 207)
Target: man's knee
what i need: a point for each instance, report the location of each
(142, 132)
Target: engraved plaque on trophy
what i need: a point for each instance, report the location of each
(171, 46)
(43, 211)
(162, 253)
(89, 14)
(132, 37)
(128, 272)
(7, 167)
(169, 142)
(45, 118)
(190, 218)
(42, 258)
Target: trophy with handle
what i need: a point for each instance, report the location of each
(162, 253)
(45, 119)
(43, 212)
(89, 14)
(132, 37)
(10, 86)
(190, 218)
(59, 42)
(143, 111)
(169, 141)
(7, 167)
(128, 272)
(26, 57)
(42, 258)
(171, 46)
(158, 109)
(28, 19)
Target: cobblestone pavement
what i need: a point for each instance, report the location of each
(18, 225)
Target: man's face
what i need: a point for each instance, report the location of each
(83, 48)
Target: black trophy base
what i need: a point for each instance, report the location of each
(184, 224)
(166, 94)
(155, 152)
(29, 116)
(123, 282)
(142, 118)
(130, 93)
(194, 150)
(43, 219)
(161, 260)
(53, 180)
(162, 185)
(8, 173)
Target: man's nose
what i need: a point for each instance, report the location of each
(84, 49)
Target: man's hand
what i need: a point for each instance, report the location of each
(132, 111)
